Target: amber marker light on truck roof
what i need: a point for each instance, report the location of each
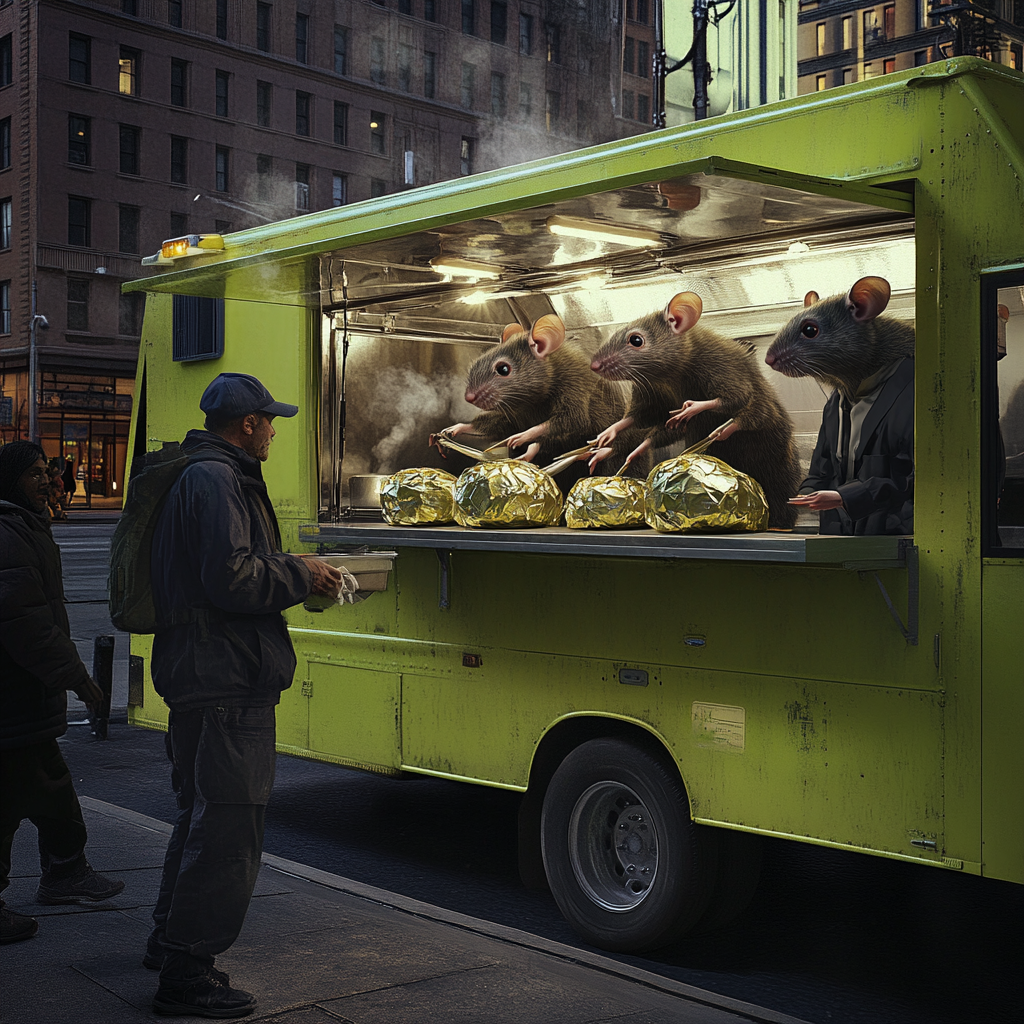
(600, 231)
(184, 245)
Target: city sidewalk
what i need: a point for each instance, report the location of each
(320, 949)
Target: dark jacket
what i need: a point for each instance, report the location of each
(38, 660)
(880, 497)
(221, 581)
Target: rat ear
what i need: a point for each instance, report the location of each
(868, 297)
(547, 335)
(683, 312)
(810, 299)
(511, 331)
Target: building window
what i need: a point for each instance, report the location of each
(128, 72)
(636, 10)
(377, 61)
(628, 105)
(888, 65)
(643, 59)
(629, 55)
(819, 48)
(128, 160)
(1017, 56)
(525, 100)
(221, 94)
(222, 19)
(263, 27)
(920, 58)
(820, 84)
(5, 307)
(302, 187)
(5, 143)
(179, 225)
(79, 59)
(552, 109)
(340, 123)
(847, 76)
(429, 74)
(869, 71)
(179, 160)
(466, 154)
(179, 83)
(643, 108)
(847, 33)
(6, 61)
(405, 6)
(301, 38)
(404, 67)
(339, 189)
(128, 229)
(468, 17)
(78, 304)
(378, 188)
(174, 13)
(129, 314)
(79, 139)
(872, 30)
(429, 13)
(264, 95)
(130, 7)
(221, 166)
(526, 34)
(497, 94)
(377, 127)
(6, 209)
(499, 23)
(264, 168)
(553, 40)
(302, 103)
(889, 21)
(467, 86)
(340, 50)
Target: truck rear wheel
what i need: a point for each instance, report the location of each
(628, 869)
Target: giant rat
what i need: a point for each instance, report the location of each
(536, 392)
(845, 342)
(687, 380)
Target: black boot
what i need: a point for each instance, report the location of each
(193, 988)
(14, 926)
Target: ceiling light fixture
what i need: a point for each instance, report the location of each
(600, 231)
(456, 267)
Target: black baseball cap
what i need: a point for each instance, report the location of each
(231, 395)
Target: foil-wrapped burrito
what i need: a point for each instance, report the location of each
(605, 501)
(506, 493)
(702, 493)
(418, 497)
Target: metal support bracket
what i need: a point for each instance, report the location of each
(910, 560)
(445, 560)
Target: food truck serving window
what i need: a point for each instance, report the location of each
(1002, 337)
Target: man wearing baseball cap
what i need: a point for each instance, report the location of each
(220, 583)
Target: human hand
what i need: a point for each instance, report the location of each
(88, 692)
(327, 580)
(818, 501)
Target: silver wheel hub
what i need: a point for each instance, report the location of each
(613, 846)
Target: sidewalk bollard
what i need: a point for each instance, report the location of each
(103, 674)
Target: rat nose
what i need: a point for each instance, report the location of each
(470, 396)
(770, 358)
(597, 365)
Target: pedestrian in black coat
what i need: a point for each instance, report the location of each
(221, 657)
(38, 665)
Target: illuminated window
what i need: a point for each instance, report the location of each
(378, 124)
(79, 137)
(128, 72)
(820, 83)
(820, 39)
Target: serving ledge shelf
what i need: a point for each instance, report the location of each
(809, 548)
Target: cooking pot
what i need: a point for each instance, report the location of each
(364, 490)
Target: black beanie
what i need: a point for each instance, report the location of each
(15, 458)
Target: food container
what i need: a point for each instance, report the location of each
(364, 490)
(371, 570)
(506, 493)
(603, 502)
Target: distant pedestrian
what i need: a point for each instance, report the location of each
(68, 477)
(220, 583)
(38, 665)
(56, 496)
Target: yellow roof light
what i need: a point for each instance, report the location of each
(184, 245)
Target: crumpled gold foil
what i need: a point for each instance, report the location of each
(702, 493)
(597, 502)
(418, 497)
(506, 493)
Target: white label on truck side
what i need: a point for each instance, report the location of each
(719, 726)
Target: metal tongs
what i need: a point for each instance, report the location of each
(702, 446)
(446, 440)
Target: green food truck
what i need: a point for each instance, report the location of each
(660, 700)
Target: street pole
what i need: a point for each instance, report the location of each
(701, 68)
(33, 369)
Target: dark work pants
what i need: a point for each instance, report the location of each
(223, 771)
(35, 783)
